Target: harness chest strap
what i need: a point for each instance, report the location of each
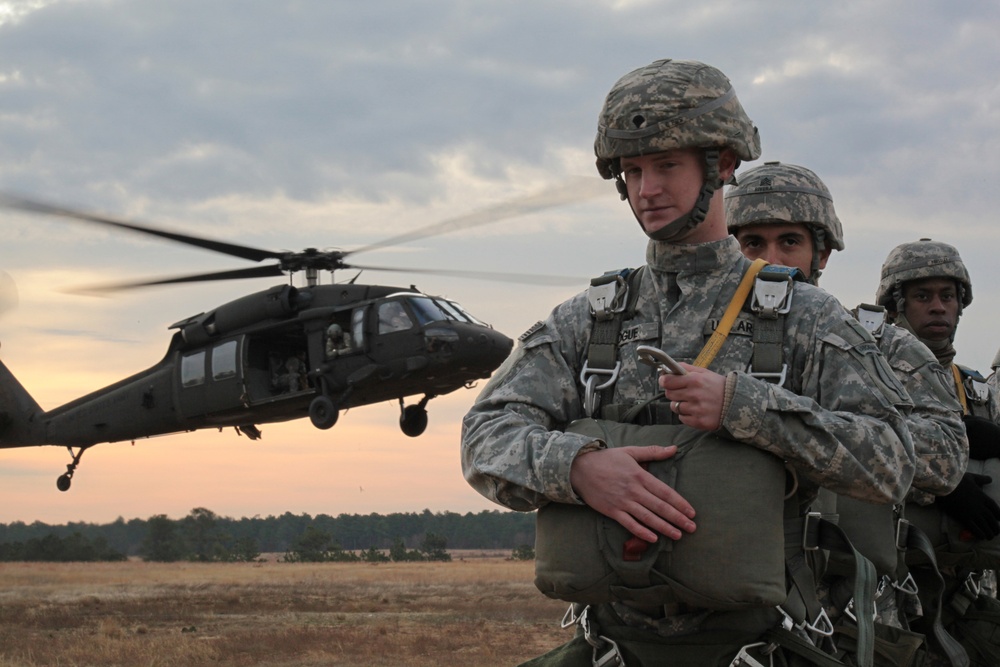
(721, 332)
(613, 297)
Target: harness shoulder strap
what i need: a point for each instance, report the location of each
(612, 299)
(772, 300)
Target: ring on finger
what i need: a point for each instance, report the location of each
(676, 407)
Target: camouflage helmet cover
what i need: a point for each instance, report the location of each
(784, 193)
(672, 104)
(918, 260)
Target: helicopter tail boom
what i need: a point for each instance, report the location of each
(20, 423)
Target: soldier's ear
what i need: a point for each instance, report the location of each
(823, 257)
(728, 162)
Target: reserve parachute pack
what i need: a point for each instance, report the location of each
(954, 546)
(735, 560)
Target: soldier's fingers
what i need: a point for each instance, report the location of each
(648, 525)
(664, 501)
(651, 453)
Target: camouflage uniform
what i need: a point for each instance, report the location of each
(932, 259)
(920, 260)
(835, 420)
(790, 194)
(787, 194)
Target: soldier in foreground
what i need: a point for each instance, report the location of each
(924, 287)
(668, 563)
(785, 214)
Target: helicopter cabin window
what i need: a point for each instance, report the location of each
(224, 360)
(392, 317)
(358, 327)
(193, 369)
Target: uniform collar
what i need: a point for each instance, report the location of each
(694, 257)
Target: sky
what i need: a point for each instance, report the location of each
(287, 125)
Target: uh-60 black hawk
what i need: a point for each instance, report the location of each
(280, 354)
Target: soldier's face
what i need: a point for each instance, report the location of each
(787, 244)
(663, 186)
(931, 307)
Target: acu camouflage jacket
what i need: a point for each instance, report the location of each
(837, 420)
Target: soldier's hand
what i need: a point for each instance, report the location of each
(969, 505)
(696, 397)
(614, 482)
(984, 438)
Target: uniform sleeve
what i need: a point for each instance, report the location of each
(513, 449)
(842, 430)
(940, 445)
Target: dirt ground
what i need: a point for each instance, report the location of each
(479, 609)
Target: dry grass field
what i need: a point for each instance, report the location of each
(472, 611)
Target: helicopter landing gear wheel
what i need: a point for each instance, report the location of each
(66, 479)
(413, 421)
(323, 413)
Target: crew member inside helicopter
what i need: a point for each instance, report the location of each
(338, 341)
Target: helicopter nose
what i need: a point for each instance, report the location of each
(495, 347)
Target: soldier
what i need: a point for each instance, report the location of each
(785, 214)
(924, 287)
(796, 381)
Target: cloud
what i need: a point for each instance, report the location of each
(320, 124)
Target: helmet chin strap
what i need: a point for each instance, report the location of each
(697, 214)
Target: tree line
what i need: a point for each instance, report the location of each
(205, 536)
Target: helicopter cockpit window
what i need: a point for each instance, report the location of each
(193, 369)
(428, 310)
(392, 317)
(465, 313)
(453, 313)
(224, 360)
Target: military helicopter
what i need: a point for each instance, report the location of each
(279, 354)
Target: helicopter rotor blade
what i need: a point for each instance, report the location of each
(268, 271)
(522, 278)
(573, 190)
(235, 250)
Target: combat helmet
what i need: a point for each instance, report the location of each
(671, 104)
(918, 260)
(779, 193)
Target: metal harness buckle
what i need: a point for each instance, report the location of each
(810, 542)
(744, 658)
(908, 585)
(821, 626)
(978, 391)
(608, 295)
(776, 378)
(772, 294)
(849, 610)
(588, 378)
(606, 652)
(902, 534)
(872, 318)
